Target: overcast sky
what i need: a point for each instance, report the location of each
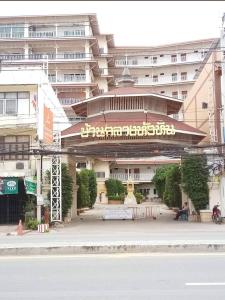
(141, 23)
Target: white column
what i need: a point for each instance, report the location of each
(87, 73)
(56, 30)
(87, 93)
(87, 49)
(26, 30)
(26, 51)
(87, 28)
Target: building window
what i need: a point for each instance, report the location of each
(81, 165)
(161, 55)
(147, 75)
(101, 91)
(146, 57)
(154, 59)
(184, 95)
(175, 94)
(173, 58)
(196, 51)
(204, 105)
(203, 53)
(183, 75)
(183, 57)
(174, 76)
(9, 102)
(161, 74)
(162, 92)
(100, 174)
(14, 144)
(155, 78)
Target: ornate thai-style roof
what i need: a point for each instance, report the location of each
(130, 118)
(173, 104)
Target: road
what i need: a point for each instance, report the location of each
(120, 276)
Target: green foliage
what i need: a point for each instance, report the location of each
(139, 197)
(159, 180)
(67, 190)
(32, 224)
(116, 197)
(87, 191)
(114, 187)
(92, 187)
(172, 194)
(195, 180)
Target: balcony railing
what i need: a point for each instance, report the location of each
(69, 101)
(134, 177)
(37, 32)
(42, 34)
(50, 56)
(67, 78)
(161, 80)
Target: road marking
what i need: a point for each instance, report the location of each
(107, 255)
(204, 283)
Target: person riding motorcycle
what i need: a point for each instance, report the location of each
(216, 214)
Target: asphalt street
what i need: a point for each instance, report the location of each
(118, 276)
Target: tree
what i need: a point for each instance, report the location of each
(195, 175)
(92, 187)
(159, 180)
(67, 190)
(172, 193)
(84, 193)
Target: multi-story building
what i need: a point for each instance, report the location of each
(169, 70)
(29, 112)
(83, 63)
(69, 46)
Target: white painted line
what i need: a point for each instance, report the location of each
(204, 283)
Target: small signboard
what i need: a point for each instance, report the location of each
(8, 185)
(118, 214)
(31, 186)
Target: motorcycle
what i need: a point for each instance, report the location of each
(216, 215)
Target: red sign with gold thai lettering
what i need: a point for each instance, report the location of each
(48, 125)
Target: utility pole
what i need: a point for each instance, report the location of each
(39, 186)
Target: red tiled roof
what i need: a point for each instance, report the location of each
(126, 119)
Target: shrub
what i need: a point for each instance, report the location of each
(139, 197)
(32, 224)
(67, 190)
(114, 187)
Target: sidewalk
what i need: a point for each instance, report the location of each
(90, 234)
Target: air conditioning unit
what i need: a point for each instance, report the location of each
(19, 166)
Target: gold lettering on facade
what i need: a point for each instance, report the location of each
(147, 129)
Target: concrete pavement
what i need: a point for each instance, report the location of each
(89, 234)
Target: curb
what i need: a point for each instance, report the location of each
(112, 248)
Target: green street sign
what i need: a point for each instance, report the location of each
(31, 187)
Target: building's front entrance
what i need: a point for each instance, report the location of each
(12, 205)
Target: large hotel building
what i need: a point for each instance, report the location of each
(84, 65)
(82, 62)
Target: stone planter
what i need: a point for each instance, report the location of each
(206, 216)
(115, 202)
